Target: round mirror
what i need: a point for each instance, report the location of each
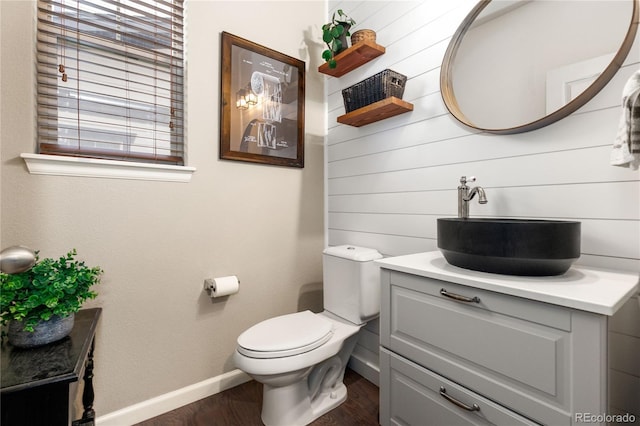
(516, 66)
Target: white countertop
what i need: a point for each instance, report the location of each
(589, 289)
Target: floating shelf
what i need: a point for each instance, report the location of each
(377, 111)
(351, 58)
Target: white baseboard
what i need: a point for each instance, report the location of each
(170, 401)
(366, 364)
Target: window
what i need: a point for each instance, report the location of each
(110, 79)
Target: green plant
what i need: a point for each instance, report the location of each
(332, 33)
(50, 287)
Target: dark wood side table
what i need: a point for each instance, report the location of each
(39, 384)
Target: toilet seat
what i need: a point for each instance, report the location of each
(285, 335)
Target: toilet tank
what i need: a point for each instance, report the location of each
(351, 285)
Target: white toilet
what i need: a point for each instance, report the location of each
(300, 358)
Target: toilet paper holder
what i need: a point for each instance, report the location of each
(221, 286)
(208, 285)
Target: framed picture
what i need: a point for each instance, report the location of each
(262, 104)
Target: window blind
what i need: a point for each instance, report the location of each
(110, 79)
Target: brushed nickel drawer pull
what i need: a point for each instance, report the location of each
(443, 393)
(475, 299)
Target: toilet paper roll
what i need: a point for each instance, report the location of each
(224, 286)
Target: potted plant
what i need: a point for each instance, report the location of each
(38, 305)
(335, 34)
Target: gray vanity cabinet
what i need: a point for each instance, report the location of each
(454, 354)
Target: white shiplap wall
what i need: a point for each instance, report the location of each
(387, 182)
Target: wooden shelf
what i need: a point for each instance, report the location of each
(377, 111)
(351, 58)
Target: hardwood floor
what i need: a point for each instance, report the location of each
(240, 406)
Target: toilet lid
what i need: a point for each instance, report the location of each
(285, 335)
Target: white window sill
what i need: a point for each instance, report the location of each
(40, 164)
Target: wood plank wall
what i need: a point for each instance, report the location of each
(387, 182)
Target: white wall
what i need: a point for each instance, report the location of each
(389, 181)
(158, 241)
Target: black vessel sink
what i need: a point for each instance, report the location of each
(510, 246)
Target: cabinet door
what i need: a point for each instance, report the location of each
(413, 395)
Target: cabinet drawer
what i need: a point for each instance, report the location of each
(536, 312)
(510, 350)
(417, 396)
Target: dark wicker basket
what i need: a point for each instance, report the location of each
(380, 86)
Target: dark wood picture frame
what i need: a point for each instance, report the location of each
(262, 104)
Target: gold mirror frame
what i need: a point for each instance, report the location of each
(446, 84)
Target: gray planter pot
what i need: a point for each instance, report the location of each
(45, 332)
(343, 37)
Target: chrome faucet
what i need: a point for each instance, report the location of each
(466, 194)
